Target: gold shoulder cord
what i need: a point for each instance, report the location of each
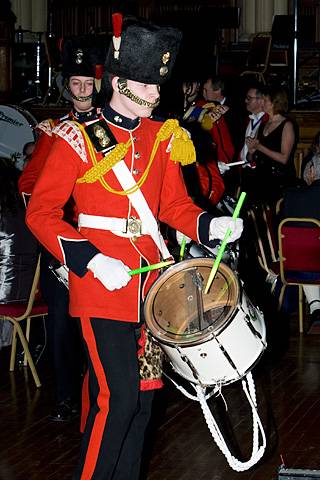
(181, 151)
(51, 123)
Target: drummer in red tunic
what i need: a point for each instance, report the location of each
(82, 68)
(123, 171)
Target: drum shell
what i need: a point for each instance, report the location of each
(17, 129)
(208, 363)
(221, 352)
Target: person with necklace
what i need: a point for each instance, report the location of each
(273, 149)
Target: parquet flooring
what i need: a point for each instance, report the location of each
(179, 445)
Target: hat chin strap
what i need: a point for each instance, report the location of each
(75, 97)
(124, 90)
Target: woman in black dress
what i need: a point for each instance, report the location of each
(272, 151)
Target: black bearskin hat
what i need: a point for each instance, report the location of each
(142, 51)
(83, 56)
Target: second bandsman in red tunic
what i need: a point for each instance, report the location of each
(82, 69)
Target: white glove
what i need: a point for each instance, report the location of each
(223, 167)
(112, 273)
(180, 236)
(219, 226)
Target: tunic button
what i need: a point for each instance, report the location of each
(134, 138)
(137, 155)
(135, 171)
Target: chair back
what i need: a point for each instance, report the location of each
(270, 221)
(298, 160)
(259, 52)
(259, 244)
(33, 291)
(265, 227)
(258, 56)
(299, 249)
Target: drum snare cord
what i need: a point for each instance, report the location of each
(189, 395)
(257, 452)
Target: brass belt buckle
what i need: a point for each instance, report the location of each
(134, 226)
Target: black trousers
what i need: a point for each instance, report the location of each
(119, 413)
(64, 337)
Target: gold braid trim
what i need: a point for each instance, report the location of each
(182, 150)
(52, 123)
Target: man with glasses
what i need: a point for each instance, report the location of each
(257, 117)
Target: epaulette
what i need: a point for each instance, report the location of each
(46, 126)
(71, 133)
(157, 118)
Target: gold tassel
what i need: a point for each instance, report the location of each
(182, 148)
(206, 122)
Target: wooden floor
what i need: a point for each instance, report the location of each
(181, 447)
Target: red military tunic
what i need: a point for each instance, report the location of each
(33, 168)
(222, 138)
(164, 191)
(211, 182)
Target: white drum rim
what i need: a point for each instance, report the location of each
(24, 112)
(205, 335)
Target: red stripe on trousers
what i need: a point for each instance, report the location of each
(102, 401)
(85, 402)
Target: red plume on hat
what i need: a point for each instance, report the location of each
(117, 19)
(99, 69)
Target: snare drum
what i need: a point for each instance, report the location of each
(210, 339)
(17, 129)
(230, 255)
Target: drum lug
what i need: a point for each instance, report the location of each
(254, 331)
(191, 366)
(226, 354)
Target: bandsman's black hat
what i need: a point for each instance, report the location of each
(142, 51)
(83, 56)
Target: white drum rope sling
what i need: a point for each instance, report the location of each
(249, 389)
(257, 450)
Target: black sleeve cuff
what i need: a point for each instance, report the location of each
(203, 229)
(78, 255)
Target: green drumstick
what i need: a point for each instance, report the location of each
(222, 247)
(182, 248)
(147, 268)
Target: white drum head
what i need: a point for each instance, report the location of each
(177, 310)
(17, 129)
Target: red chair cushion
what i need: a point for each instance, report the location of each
(301, 249)
(17, 309)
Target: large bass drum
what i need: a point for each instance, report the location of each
(17, 129)
(210, 339)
